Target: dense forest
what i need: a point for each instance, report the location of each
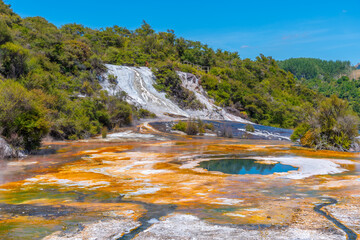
(49, 79)
(309, 68)
(326, 77)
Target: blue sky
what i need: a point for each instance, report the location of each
(281, 29)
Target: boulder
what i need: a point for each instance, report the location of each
(6, 151)
(355, 146)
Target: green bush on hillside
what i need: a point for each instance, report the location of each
(13, 59)
(180, 126)
(331, 126)
(23, 115)
(249, 128)
(104, 132)
(190, 127)
(143, 113)
(5, 34)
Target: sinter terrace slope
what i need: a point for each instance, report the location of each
(138, 83)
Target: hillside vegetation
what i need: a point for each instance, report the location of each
(50, 79)
(333, 125)
(327, 77)
(310, 68)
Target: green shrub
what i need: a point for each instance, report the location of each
(226, 131)
(13, 60)
(209, 126)
(23, 119)
(73, 137)
(104, 132)
(180, 126)
(143, 113)
(77, 119)
(300, 132)
(192, 127)
(121, 114)
(5, 34)
(332, 126)
(249, 128)
(200, 126)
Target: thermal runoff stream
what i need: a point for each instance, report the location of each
(153, 185)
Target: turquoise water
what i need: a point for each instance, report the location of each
(244, 166)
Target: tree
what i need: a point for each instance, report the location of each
(331, 126)
(74, 29)
(145, 29)
(121, 114)
(75, 54)
(5, 34)
(13, 60)
(22, 115)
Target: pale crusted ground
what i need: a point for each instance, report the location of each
(182, 226)
(101, 230)
(348, 213)
(307, 166)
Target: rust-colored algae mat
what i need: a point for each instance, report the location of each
(88, 185)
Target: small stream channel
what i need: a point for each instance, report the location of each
(351, 235)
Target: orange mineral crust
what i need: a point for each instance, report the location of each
(134, 181)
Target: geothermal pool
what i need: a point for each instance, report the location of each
(246, 166)
(163, 186)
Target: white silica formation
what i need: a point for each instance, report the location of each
(211, 111)
(138, 84)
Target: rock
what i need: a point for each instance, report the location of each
(355, 146)
(6, 151)
(233, 111)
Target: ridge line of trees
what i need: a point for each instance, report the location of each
(59, 69)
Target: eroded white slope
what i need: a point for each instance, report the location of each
(211, 111)
(138, 83)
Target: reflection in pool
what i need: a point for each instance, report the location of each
(245, 166)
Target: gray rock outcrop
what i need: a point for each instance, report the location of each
(6, 151)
